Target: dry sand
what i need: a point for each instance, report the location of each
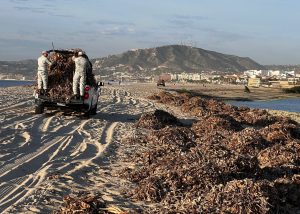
(46, 157)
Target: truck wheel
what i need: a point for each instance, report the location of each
(86, 114)
(39, 109)
(93, 111)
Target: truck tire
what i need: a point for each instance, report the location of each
(93, 111)
(39, 109)
(87, 114)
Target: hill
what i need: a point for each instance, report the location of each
(18, 69)
(283, 67)
(175, 58)
(172, 58)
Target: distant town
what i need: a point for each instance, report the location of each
(252, 78)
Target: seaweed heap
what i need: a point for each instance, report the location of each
(231, 160)
(86, 204)
(157, 120)
(60, 75)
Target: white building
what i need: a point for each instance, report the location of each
(186, 76)
(252, 73)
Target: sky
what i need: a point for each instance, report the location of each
(267, 31)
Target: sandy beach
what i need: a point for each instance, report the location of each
(46, 157)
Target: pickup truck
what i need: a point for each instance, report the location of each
(60, 85)
(88, 105)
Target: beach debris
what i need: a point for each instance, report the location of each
(114, 210)
(247, 141)
(157, 120)
(280, 155)
(237, 196)
(168, 98)
(231, 160)
(280, 132)
(288, 194)
(89, 204)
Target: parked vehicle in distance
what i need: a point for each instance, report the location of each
(161, 83)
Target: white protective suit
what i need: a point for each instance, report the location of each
(42, 72)
(79, 77)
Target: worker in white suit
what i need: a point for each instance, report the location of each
(42, 73)
(79, 77)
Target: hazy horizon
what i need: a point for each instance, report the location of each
(266, 31)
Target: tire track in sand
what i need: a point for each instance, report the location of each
(105, 141)
(30, 169)
(64, 145)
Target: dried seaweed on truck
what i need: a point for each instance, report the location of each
(60, 75)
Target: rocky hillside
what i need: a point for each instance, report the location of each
(172, 58)
(175, 58)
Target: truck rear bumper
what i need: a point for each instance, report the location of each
(72, 104)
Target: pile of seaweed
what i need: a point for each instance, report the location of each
(87, 204)
(230, 160)
(60, 75)
(84, 204)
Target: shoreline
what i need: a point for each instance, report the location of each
(149, 89)
(292, 115)
(223, 93)
(219, 92)
(15, 80)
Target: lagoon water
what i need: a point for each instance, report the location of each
(291, 105)
(9, 83)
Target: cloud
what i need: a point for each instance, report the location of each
(31, 9)
(49, 9)
(19, 42)
(190, 17)
(117, 31)
(19, 1)
(223, 36)
(61, 15)
(185, 21)
(111, 28)
(111, 22)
